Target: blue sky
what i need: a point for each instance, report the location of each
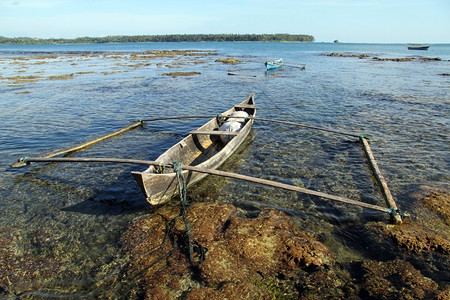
(360, 21)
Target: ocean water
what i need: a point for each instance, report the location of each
(61, 223)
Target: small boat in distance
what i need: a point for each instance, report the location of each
(270, 65)
(207, 147)
(418, 47)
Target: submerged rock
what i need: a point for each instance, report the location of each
(176, 74)
(228, 61)
(428, 230)
(422, 237)
(22, 269)
(395, 280)
(243, 257)
(266, 257)
(375, 58)
(415, 238)
(438, 202)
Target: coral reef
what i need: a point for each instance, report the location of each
(120, 62)
(257, 256)
(438, 202)
(176, 74)
(426, 233)
(375, 58)
(242, 256)
(228, 61)
(395, 280)
(266, 257)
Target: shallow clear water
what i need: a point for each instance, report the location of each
(69, 217)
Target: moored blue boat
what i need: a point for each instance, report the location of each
(274, 64)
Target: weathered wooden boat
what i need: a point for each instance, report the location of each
(203, 148)
(418, 47)
(270, 65)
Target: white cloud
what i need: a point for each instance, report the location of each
(31, 3)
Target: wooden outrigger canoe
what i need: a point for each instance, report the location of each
(270, 65)
(202, 148)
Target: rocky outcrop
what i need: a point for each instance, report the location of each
(241, 257)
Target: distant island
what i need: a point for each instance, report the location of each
(279, 37)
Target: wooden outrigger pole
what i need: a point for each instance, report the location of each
(138, 123)
(258, 119)
(26, 161)
(396, 217)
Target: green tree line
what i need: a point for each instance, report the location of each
(279, 37)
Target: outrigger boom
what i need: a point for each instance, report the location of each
(26, 161)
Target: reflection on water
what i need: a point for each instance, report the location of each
(60, 223)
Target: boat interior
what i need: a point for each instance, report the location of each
(201, 144)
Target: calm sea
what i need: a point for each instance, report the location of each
(63, 222)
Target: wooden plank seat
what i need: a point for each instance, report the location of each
(214, 132)
(245, 105)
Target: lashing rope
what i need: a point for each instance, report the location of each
(220, 119)
(182, 190)
(393, 212)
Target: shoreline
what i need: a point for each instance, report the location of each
(162, 38)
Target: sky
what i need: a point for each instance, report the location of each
(352, 21)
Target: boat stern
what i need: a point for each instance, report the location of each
(157, 188)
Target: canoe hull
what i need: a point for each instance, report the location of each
(270, 65)
(418, 47)
(203, 151)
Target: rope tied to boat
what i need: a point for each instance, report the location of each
(394, 212)
(220, 119)
(162, 167)
(182, 191)
(24, 160)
